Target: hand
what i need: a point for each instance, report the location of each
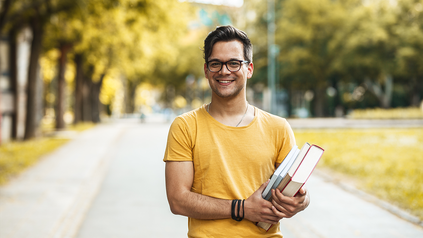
(287, 207)
(257, 209)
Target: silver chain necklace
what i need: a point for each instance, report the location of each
(246, 110)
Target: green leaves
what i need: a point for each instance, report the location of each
(324, 43)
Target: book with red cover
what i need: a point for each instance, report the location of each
(298, 174)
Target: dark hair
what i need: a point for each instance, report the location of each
(228, 33)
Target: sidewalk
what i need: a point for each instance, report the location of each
(109, 182)
(50, 199)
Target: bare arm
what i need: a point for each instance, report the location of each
(182, 201)
(179, 179)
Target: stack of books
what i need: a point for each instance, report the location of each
(292, 173)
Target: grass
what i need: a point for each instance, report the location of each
(386, 162)
(395, 113)
(18, 155)
(81, 126)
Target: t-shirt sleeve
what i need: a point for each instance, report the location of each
(288, 141)
(179, 143)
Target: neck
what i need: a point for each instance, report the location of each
(231, 114)
(226, 107)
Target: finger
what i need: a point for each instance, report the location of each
(275, 196)
(284, 211)
(283, 208)
(278, 213)
(263, 186)
(280, 198)
(272, 219)
(293, 201)
(282, 202)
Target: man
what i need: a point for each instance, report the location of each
(221, 154)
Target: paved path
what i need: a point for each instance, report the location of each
(50, 198)
(109, 182)
(132, 201)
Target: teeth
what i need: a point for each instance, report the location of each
(225, 81)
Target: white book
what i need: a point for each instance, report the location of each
(286, 163)
(295, 179)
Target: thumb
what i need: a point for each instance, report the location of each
(263, 186)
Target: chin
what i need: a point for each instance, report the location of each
(227, 94)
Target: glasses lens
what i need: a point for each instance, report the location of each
(215, 66)
(234, 65)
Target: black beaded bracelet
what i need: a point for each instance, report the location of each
(233, 209)
(236, 204)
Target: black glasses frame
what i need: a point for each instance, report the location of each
(225, 63)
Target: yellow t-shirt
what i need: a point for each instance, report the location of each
(229, 163)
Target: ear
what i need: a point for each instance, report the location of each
(206, 71)
(250, 70)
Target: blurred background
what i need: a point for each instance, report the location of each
(65, 62)
(67, 65)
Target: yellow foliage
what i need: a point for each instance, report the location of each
(110, 86)
(48, 64)
(180, 102)
(145, 95)
(387, 162)
(196, 103)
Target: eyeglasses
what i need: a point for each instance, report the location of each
(232, 65)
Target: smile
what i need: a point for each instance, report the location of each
(224, 81)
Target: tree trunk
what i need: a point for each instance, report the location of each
(86, 99)
(384, 97)
(79, 77)
(14, 80)
(416, 91)
(95, 100)
(4, 9)
(61, 87)
(31, 123)
(130, 97)
(319, 102)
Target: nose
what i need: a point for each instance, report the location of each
(225, 69)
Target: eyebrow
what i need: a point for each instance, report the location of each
(223, 61)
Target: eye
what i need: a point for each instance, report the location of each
(233, 63)
(215, 64)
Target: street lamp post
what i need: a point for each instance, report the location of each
(271, 54)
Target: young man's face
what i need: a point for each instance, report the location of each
(227, 84)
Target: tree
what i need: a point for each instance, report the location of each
(35, 14)
(308, 35)
(132, 36)
(369, 53)
(409, 55)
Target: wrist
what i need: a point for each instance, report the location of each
(237, 209)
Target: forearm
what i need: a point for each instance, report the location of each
(199, 206)
(182, 201)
